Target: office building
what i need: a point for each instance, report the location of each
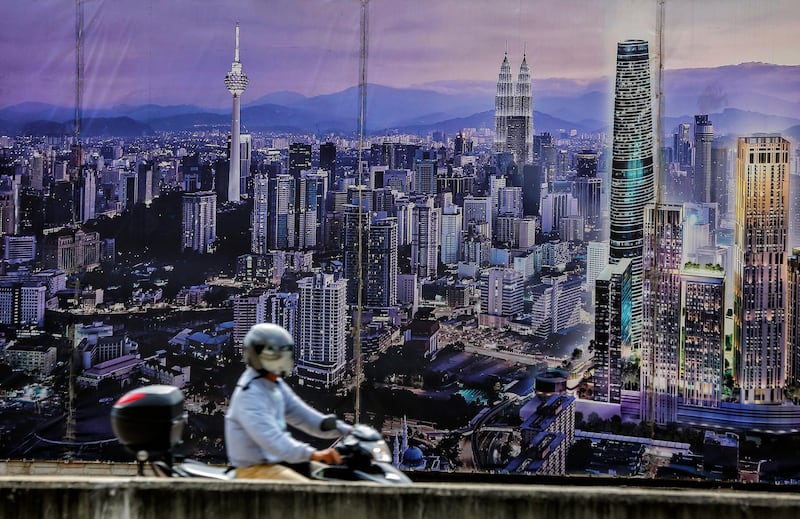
(513, 115)
(612, 329)
(632, 166)
(762, 214)
(705, 183)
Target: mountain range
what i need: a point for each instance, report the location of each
(745, 98)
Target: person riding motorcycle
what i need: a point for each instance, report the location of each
(257, 441)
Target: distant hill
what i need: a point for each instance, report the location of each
(757, 87)
(542, 123)
(735, 122)
(95, 127)
(743, 98)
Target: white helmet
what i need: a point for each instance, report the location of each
(269, 348)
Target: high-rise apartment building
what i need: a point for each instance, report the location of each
(199, 221)
(793, 318)
(596, 261)
(248, 310)
(451, 235)
(322, 330)
(425, 175)
(632, 185)
(378, 253)
(759, 313)
(87, 194)
(281, 214)
(661, 322)
(258, 217)
(702, 335)
(502, 290)
(425, 224)
(245, 160)
(381, 263)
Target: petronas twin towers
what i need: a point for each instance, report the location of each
(513, 113)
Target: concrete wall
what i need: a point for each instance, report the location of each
(66, 468)
(62, 497)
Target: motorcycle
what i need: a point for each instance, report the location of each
(149, 422)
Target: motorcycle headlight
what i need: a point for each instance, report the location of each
(380, 452)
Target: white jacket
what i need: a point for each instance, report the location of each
(255, 424)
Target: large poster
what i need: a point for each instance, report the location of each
(539, 237)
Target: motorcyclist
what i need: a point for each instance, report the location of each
(257, 441)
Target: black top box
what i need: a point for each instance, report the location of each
(149, 418)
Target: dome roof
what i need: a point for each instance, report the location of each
(413, 456)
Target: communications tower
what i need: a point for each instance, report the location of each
(236, 83)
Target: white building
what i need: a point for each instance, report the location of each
(199, 221)
(322, 330)
(39, 360)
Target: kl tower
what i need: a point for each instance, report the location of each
(236, 83)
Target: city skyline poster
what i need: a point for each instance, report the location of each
(454, 191)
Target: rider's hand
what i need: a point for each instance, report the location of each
(329, 456)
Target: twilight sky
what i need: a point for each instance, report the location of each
(178, 51)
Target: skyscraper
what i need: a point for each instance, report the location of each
(236, 83)
(299, 158)
(702, 335)
(632, 166)
(451, 235)
(793, 318)
(245, 159)
(381, 263)
(425, 222)
(322, 330)
(199, 221)
(705, 185)
(596, 261)
(661, 334)
(353, 219)
(327, 161)
(759, 313)
(258, 217)
(513, 113)
(280, 217)
(611, 329)
(682, 145)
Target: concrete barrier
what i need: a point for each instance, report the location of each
(57, 497)
(65, 468)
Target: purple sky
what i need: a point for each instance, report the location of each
(178, 51)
